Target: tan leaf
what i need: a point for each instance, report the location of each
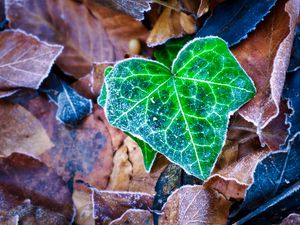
(109, 205)
(170, 24)
(134, 217)
(20, 131)
(84, 208)
(265, 57)
(25, 61)
(88, 31)
(203, 8)
(129, 173)
(33, 191)
(195, 205)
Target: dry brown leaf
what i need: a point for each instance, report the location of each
(79, 152)
(33, 191)
(25, 61)
(195, 205)
(265, 57)
(109, 205)
(135, 8)
(129, 173)
(84, 208)
(203, 7)
(233, 180)
(171, 24)
(98, 34)
(134, 217)
(20, 131)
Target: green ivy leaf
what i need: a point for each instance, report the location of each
(168, 52)
(149, 154)
(182, 112)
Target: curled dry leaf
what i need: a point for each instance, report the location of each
(34, 192)
(203, 7)
(134, 217)
(25, 61)
(195, 205)
(98, 34)
(135, 8)
(265, 57)
(171, 24)
(129, 173)
(20, 131)
(109, 205)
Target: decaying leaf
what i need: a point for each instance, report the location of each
(275, 191)
(233, 20)
(135, 8)
(98, 34)
(203, 7)
(295, 56)
(171, 24)
(292, 94)
(25, 61)
(265, 56)
(109, 205)
(33, 192)
(20, 131)
(72, 107)
(79, 152)
(195, 205)
(134, 217)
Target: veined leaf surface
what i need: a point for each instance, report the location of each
(181, 112)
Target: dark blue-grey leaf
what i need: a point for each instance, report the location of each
(71, 106)
(234, 19)
(292, 94)
(295, 57)
(275, 191)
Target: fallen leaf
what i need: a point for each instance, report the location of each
(71, 106)
(129, 173)
(203, 7)
(98, 34)
(135, 8)
(292, 219)
(84, 208)
(80, 151)
(171, 178)
(21, 132)
(171, 24)
(25, 61)
(265, 57)
(275, 190)
(109, 205)
(33, 191)
(195, 204)
(233, 180)
(292, 94)
(295, 56)
(233, 20)
(134, 217)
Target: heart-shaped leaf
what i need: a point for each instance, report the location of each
(181, 112)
